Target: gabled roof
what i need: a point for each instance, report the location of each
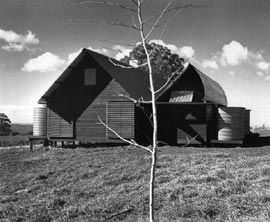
(133, 80)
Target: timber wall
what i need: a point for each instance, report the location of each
(88, 128)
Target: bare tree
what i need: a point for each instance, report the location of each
(145, 28)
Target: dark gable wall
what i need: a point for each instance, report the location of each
(190, 81)
(72, 97)
(80, 105)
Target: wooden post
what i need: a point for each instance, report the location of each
(31, 145)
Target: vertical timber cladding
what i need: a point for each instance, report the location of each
(57, 126)
(120, 118)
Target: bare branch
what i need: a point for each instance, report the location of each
(116, 43)
(189, 141)
(158, 19)
(167, 23)
(120, 65)
(104, 2)
(134, 2)
(172, 9)
(168, 80)
(126, 66)
(134, 24)
(126, 96)
(131, 142)
(114, 23)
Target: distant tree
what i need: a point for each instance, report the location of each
(5, 125)
(163, 61)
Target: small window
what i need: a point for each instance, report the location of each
(90, 77)
(181, 96)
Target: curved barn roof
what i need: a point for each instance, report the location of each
(212, 90)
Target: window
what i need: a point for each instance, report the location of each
(181, 96)
(90, 77)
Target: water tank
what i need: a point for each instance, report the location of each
(40, 121)
(231, 123)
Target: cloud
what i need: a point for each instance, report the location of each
(267, 78)
(187, 52)
(17, 42)
(233, 54)
(259, 73)
(232, 73)
(47, 62)
(262, 65)
(171, 47)
(210, 63)
(123, 51)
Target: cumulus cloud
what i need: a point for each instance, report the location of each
(187, 52)
(17, 42)
(262, 65)
(210, 63)
(172, 47)
(233, 54)
(47, 62)
(123, 51)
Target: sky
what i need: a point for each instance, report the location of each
(227, 39)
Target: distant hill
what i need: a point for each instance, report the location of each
(22, 129)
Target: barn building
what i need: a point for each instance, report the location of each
(192, 108)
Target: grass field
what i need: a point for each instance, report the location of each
(18, 140)
(111, 184)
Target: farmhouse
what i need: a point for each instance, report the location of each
(191, 108)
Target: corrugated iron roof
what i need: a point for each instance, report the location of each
(213, 92)
(136, 81)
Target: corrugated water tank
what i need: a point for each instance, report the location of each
(232, 123)
(40, 121)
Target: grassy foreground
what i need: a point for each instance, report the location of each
(18, 140)
(111, 184)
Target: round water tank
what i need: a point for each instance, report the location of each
(231, 123)
(40, 121)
